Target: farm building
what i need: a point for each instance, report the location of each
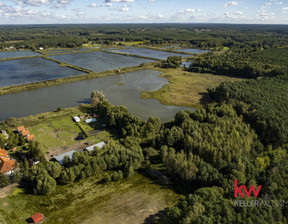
(91, 148)
(60, 158)
(88, 121)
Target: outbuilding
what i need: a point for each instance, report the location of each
(99, 145)
(60, 158)
(37, 218)
(76, 119)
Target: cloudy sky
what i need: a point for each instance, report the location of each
(143, 11)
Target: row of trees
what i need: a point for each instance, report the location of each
(44, 177)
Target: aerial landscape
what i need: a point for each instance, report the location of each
(143, 112)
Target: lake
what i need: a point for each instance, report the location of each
(100, 61)
(17, 54)
(15, 72)
(121, 89)
(191, 50)
(149, 53)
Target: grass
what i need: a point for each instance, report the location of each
(18, 191)
(185, 88)
(61, 131)
(129, 200)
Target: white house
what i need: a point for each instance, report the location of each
(76, 119)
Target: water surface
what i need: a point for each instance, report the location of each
(17, 54)
(121, 89)
(149, 53)
(192, 50)
(28, 70)
(100, 61)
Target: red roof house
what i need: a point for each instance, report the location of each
(25, 133)
(20, 129)
(30, 138)
(37, 218)
(6, 163)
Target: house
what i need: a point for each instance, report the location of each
(99, 145)
(41, 48)
(60, 158)
(6, 163)
(30, 138)
(20, 129)
(37, 218)
(25, 133)
(76, 119)
(88, 121)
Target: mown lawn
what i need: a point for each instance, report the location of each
(126, 201)
(186, 88)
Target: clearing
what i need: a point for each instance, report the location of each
(129, 200)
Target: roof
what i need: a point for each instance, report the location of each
(21, 128)
(30, 138)
(90, 120)
(25, 133)
(37, 217)
(91, 148)
(60, 157)
(6, 164)
(3, 152)
(76, 118)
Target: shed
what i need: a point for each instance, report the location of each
(100, 145)
(37, 218)
(60, 158)
(76, 119)
(88, 121)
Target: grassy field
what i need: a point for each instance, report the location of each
(126, 201)
(61, 133)
(186, 88)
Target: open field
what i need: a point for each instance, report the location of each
(186, 88)
(127, 201)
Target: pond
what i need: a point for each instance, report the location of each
(192, 51)
(149, 53)
(17, 54)
(15, 72)
(121, 89)
(100, 61)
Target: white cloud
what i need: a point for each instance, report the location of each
(268, 3)
(108, 4)
(36, 3)
(124, 8)
(94, 5)
(278, 3)
(151, 0)
(119, 0)
(188, 10)
(284, 9)
(238, 13)
(229, 4)
(160, 16)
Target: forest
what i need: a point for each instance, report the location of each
(242, 134)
